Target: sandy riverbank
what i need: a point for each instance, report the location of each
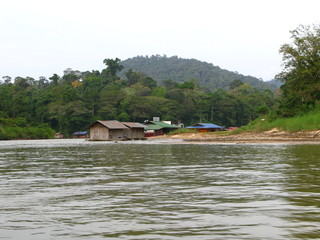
(272, 136)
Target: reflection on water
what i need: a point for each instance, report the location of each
(72, 189)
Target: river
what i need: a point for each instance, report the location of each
(75, 189)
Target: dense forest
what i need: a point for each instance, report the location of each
(179, 69)
(73, 101)
(37, 107)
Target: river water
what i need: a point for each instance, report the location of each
(74, 189)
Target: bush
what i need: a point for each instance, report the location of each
(17, 129)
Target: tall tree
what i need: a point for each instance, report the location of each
(301, 70)
(113, 66)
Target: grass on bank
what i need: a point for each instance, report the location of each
(307, 122)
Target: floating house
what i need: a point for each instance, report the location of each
(115, 130)
(155, 128)
(206, 127)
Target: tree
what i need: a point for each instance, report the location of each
(55, 78)
(235, 83)
(6, 79)
(139, 77)
(301, 70)
(188, 84)
(169, 84)
(133, 77)
(257, 101)
(113, 66)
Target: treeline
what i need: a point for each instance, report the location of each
(73, 101)
(179, 69)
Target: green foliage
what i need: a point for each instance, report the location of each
(187, 85)
(76, 99)
(18, 129)
(305, 122)
(235, 83)
(113, 66)
(259, 101)
(179, 70)
(301, 73)
(159, 91)
(123, 117)
(141, 78)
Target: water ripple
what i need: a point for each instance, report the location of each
(79, 190)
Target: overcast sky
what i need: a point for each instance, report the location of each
(42, 37)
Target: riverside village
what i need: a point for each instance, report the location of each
(113, 130)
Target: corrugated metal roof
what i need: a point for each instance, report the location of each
(163, 124)
(157, 125)
(133, 125)
(112, 124)
(205, 125)
(153, 127)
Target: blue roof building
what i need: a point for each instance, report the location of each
(81, 134)
(206, 127)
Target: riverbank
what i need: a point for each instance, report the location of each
(272, 136)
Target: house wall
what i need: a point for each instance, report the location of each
(116, 134)
(208, 129)
(134, 133)
(137, 133)
(99, 132)
(203, 130)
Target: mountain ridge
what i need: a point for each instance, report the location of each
(182, 69)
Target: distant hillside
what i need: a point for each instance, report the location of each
(180, 70)
(276, 83)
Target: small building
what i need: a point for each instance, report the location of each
(115, 130)
(156, 128)
(206, 127)
(81, 134)
(136, 130)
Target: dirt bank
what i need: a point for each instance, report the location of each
(272, 136)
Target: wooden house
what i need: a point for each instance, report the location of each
(115, 130)
(206, 127)
(136, 130)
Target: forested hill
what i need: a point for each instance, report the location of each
(180, 70)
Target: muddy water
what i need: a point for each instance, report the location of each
(72, 189)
